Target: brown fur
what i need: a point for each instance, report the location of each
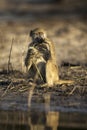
(40, 60)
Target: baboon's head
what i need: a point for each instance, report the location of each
(38, 35)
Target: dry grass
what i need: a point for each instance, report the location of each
(15, 81)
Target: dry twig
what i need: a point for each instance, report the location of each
(8, 87)
(9, 60)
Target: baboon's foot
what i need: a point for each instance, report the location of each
(58, 83)
(44, 85)
(48, 85)
(65, 82)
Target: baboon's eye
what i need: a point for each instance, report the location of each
(35, 35)
(41, 33)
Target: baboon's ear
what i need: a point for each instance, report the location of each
(31, 33)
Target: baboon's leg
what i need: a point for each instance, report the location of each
(32, 73)
(52, 76)
(51, 73)
(41, 74)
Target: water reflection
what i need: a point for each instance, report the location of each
(44, 119)
(40, 116)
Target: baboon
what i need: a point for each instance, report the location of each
(40, 60)
(37, 55)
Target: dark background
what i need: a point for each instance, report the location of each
(27, 8)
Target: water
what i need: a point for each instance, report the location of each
(40, 120)
(42, 113)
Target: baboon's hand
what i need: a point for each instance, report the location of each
(31, 51)
(47, 55)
